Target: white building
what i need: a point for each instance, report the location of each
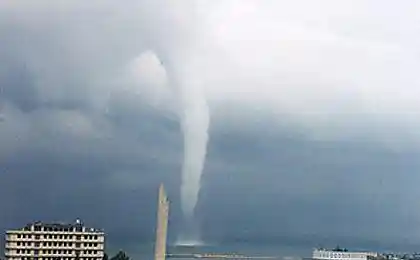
(323, 254)
(54, 241)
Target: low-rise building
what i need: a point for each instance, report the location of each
(54, 241)
(341, 254)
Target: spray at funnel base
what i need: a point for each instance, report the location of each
(190, 234)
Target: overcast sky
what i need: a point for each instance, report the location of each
(314, 115)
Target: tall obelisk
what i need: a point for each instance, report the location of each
(162, 224)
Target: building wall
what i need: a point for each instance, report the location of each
(334, 255)
(42, 244)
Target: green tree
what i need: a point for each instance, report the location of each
(121, 255)
(105, 257)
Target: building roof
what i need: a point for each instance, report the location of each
(60, 225)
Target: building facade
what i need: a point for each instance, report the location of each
(54, 241)
(323, 254)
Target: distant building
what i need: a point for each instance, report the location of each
(341, 254)
(54, 241)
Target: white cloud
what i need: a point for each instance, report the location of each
(147, 76)
(318, 62)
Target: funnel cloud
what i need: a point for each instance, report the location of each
(193, 110)
(194, 115)
(195, 120)
(195, 124)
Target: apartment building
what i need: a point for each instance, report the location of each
(54, 241)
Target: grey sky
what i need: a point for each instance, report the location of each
(314, 126)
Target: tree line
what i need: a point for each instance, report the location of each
(121, 255)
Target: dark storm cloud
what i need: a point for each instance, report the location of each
(282, 185)
(109, 183)
(80, 140)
